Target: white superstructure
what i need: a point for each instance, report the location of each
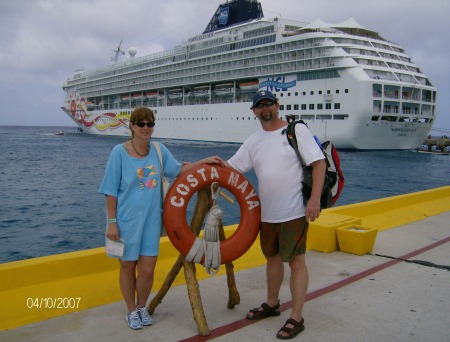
(346, 82)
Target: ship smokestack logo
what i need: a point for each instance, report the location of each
(223, 16)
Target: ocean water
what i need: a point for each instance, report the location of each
(48, 185)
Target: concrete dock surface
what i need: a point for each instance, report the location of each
(375, 297)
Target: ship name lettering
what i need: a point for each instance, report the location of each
(403, 129)
(201, 37)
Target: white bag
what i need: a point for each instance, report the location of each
(115, 249)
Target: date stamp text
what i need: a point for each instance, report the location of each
(53, 302)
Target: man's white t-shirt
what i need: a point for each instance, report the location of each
(278, 170)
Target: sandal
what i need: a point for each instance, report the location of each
(267, 311)
(291, 332)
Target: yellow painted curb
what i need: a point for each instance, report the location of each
(395, 211)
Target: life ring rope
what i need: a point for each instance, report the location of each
(208, 248)
(177, 199)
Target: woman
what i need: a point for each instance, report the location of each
(132, 185)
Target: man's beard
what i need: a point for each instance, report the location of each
(266, 116)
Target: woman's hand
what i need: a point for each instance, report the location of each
(209, 160)
(112, 231)
(213, 160)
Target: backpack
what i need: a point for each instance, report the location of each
(334, 177)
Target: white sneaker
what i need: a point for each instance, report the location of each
(146, 319)
(133, 320)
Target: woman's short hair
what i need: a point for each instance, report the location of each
(141, 114)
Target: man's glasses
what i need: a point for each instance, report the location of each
(142, 124)
(264, 105)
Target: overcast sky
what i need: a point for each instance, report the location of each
(44, 41)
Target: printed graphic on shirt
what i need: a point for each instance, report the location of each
(146, 177)
(147, 171)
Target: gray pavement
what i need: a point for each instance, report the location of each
(350, 298)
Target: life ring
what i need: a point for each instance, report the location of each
(189, 182)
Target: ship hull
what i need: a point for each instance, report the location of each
(234, 122)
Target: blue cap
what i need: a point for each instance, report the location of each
(263, 94)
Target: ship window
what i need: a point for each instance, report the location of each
(311, 106)
(327, 105)
(312, 92)
(307, 117)
(337, 91)
(320, 92)
(296, 107)
(346, 91)
(304, 93)
(337, 106)
(296, 93)
(303, 106)
(340, 116)
(389, 118)
(320, 106)
(375, 117)
(323, 117)
(328, 91)
(288, 107)
(281, 107)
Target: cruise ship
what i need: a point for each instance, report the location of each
(348, 83)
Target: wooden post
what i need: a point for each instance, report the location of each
(202, 207)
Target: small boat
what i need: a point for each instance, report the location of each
(125, 97)
(224, 89)
(59, 132)
(151, 94)
(437, 152)
(176, 93)
(138, 96)
(88, 104)
(201, 91)
(249, 86)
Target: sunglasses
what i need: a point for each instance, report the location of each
(264, 105)
(142, 124)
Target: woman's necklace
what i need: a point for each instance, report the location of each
(140, 154)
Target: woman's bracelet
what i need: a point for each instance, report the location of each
(112, 220)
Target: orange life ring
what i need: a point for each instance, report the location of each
(189, 182)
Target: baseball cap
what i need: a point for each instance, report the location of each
(263, 94)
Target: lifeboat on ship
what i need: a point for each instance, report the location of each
(151, 95)
(125, 97)
(201, 91)
(249, 86)
(138, 96)
(88, 104)
(175, 93)
(224, 89)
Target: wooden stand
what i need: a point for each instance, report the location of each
(202, 207)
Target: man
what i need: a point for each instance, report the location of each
(284, 218)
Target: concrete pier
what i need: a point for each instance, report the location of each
(397, 292)
(440, 143)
